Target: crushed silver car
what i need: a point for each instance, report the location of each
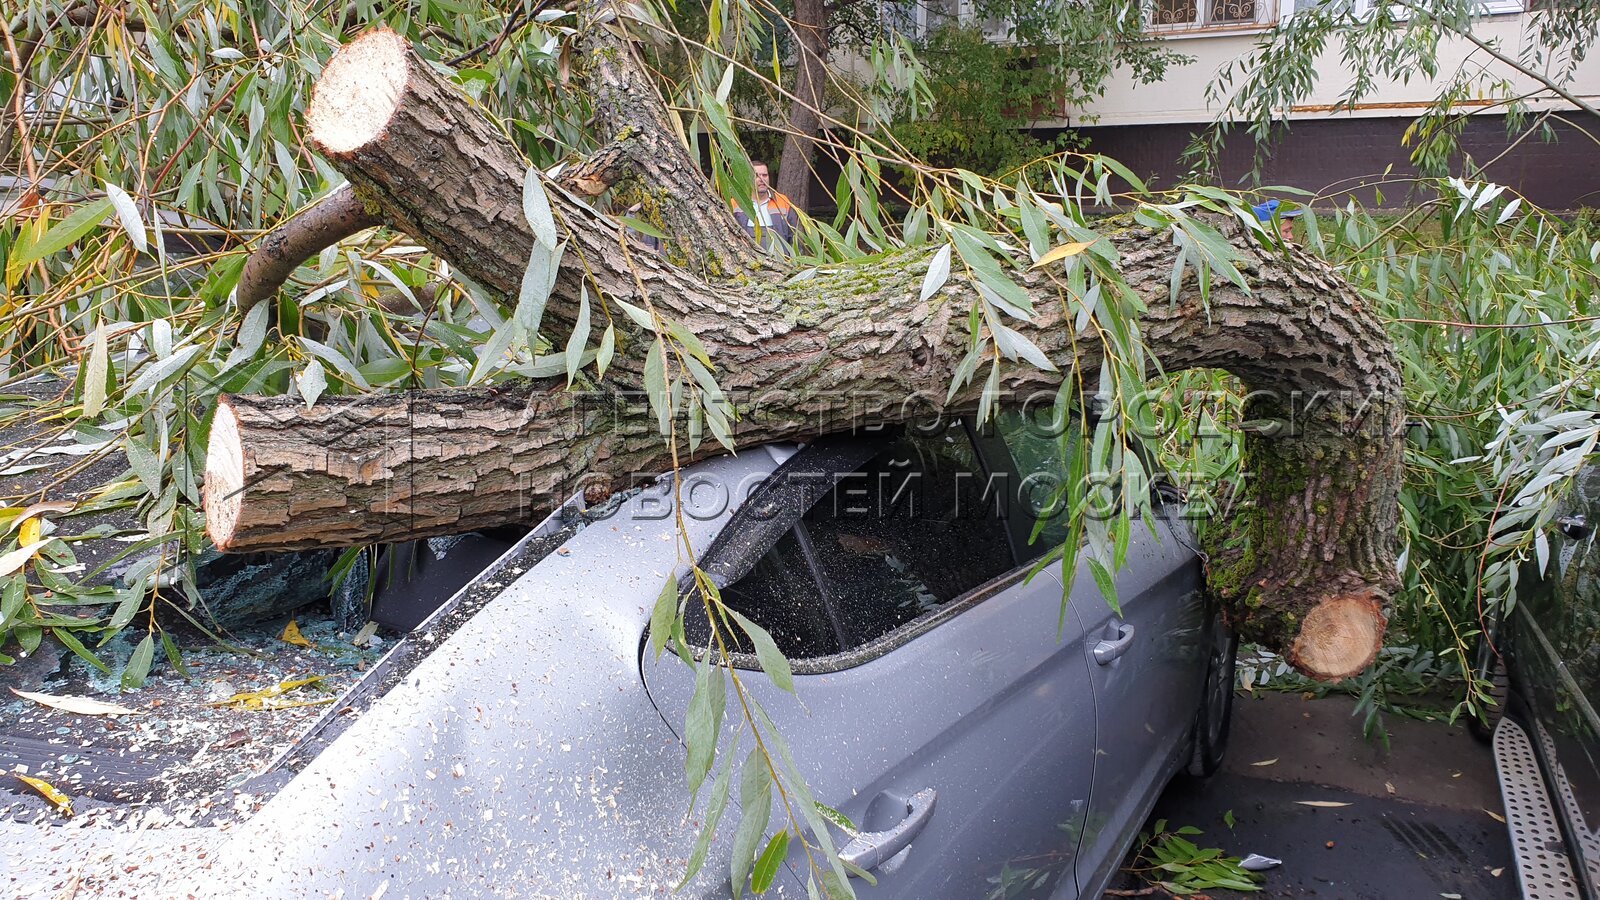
(525, 741)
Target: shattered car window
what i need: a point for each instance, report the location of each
(915, 528)
(917, 525)
(780, 595)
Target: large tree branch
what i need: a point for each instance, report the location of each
(632, 119)
(1307, 564)
(631, 115)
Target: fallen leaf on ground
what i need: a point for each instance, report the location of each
(83, 706)
(1495, 816)
(1388, 786)
(1323, 804)
(48, 791)
(364, 636)
(1496, 872)
(267, 699)
(12, 562)
(291, 635)
(30, 513)
(1265, 762)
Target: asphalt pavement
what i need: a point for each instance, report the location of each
(1420, 819)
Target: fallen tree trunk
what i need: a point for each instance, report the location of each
(1306, 562)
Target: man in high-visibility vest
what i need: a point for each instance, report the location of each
(776, 221)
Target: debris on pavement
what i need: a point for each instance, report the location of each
(181, 750)
(83, 706)
(48, 791)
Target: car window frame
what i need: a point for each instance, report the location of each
(1165, 496)
(987, 447)
(995, 455)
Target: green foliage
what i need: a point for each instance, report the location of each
(158, 140)
(1404, 681)
(987, 96)
(1492, 306)
(1166, 857)
(1083, 42)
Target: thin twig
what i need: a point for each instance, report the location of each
(1490, 49)
(493, 45)
(22, 118)
(1499, 325)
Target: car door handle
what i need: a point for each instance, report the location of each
(1106, 651)
(870, 849)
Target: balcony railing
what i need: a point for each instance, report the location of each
(1187, 15)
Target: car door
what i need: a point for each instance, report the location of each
(1147, 662)
(1148, 665)
(940, 699)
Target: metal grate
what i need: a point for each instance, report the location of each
(1588, 840)
(1542, 864)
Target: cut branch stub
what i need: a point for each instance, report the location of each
(397, 130)
(1305, 561)
(325, 223)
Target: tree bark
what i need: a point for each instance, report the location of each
(328, 221)
(810, 25)
(1306, 562)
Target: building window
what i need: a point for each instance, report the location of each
(994, 28)
(1178, 15)
(1232, 11)
(907, 18)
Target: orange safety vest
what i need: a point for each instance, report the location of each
(784, 217)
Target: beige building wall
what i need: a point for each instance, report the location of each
(1181, 96)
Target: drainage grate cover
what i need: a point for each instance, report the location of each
(1542, 863)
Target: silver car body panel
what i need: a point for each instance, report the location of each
(1146, 697)
(994, 711)
(522, 758)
